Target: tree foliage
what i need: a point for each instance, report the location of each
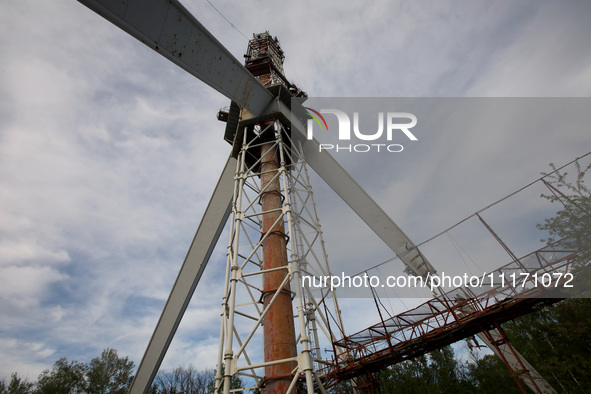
(16, 385)
(189, 380)
(437, 372)
(489, 375)
(64, 378)
(183, 380)
(573, 222)
(556, 341)
(112, 374)
(109, 373)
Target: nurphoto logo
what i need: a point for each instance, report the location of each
(394, 124)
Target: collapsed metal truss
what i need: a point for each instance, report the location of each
(246, 301)
(458, 314)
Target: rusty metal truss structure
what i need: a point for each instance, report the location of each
(458, 314)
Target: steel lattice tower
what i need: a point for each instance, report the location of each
(275, 240)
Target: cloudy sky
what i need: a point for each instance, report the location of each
(109, 153)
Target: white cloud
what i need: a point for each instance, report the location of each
(26, 281)
(16, 252)
(19, 356)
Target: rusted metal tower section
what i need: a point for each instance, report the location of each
(275, 239)
(264, 59)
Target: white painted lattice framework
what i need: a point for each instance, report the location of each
(316, 314)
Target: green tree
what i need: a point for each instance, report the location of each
(407, 377)
(439, 372)
(490, 375)
(556, 341)
(189, 380)
(64, 378)
(16, 385)
(448, 374)
(572, 223)
(183, 380)
(235, 381)
(109, 373)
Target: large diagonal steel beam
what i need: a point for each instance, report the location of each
(167, 27)
(210, 228)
